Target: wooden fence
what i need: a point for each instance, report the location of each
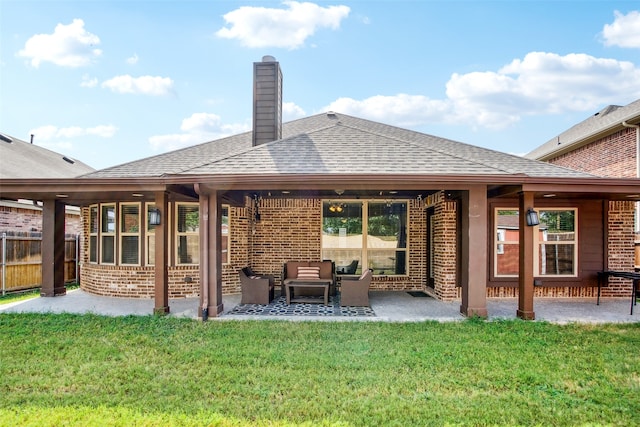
(21, 260)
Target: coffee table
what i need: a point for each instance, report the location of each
(291, 297)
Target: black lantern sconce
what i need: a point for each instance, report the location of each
(532, 218)
(154, 216)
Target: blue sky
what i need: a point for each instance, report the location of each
(108, 82)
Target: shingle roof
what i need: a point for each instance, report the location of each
(337, 144)
(20, 159)
(607, 118)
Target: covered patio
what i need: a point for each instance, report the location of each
(388, 307)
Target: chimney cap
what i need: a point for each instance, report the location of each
(268, 58)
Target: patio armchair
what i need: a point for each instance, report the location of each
(256, 289)
(355, 292)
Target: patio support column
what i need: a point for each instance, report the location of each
(525, 276)
(473, 241)
(53, 249)
(161, 292)
(210, 255)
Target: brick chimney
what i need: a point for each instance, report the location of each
(267, 101)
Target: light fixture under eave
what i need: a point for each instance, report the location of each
(154, 216)
(336, 207)
(532, 218)
(62, 196)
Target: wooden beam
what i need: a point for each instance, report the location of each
(210, 255)
(161, 291)
(53, 213)
(526, 273)
(474, 252)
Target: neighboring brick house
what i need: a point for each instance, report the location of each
(21, 221)
(20, 159)
(606, 144)
(423, 212)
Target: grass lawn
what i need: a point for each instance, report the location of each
(159, 371)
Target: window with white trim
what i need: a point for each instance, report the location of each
(371, 233)
(93, 234)
(506, 245)
(555, 241)
(108, 234)
(150, 236)
(130, 233)
(187, 233)
(224, 232)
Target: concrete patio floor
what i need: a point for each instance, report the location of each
(388, 306)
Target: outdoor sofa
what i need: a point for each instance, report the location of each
(297, 274)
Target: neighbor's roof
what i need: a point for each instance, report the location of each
(605, 121)
(335, 143)
(20, 159)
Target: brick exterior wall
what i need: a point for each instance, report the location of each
(611, 156)
(290, 229)
(29, 219)
(445, 246)
(620, 246)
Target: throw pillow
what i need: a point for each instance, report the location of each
(308, 272)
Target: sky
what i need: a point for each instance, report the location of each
(108, 82)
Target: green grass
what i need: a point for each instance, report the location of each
(161, 371)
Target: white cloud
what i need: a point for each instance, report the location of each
(283, 28)
(540, 83)
(88, 81)
(50, 132)
(69, 46)
(144, 85)
(291, 111)
(132, 60)
(624, 31)
(198, 128)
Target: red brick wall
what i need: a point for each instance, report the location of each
(446, 253)
(621, 246)
(612, 156)
(29, 219)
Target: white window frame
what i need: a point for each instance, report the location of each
(499, 244)
(228, 235)
(95, 234)
(179, 234)
(365, 250)
(539, 242)
(108, 233)
(123, 234)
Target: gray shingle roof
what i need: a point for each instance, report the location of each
(20, 159)
(607, 118)
(337, 144)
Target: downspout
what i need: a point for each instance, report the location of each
(204, 285)
(637, 128)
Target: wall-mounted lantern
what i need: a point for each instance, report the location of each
(532, 218)
(154, 216)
